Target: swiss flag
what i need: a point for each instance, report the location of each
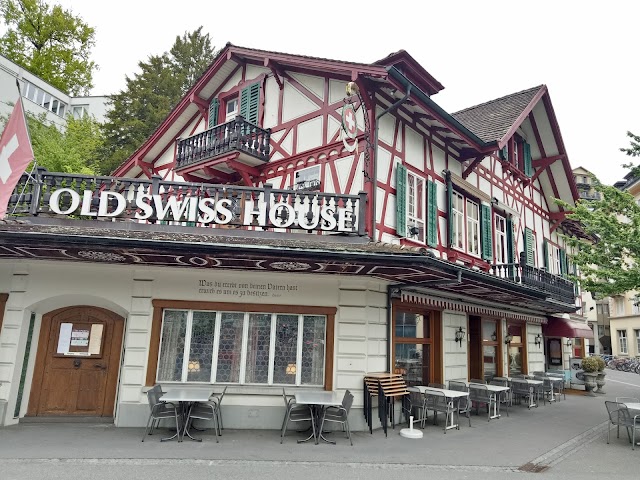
(15, 154)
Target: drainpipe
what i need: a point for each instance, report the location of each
(374, 180)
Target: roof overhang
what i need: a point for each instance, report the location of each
(130, 243)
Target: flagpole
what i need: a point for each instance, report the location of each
(33, 174)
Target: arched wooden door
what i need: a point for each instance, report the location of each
(76, 371)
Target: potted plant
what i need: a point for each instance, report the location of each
(590, 372)
(600, 378)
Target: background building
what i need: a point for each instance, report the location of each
(40, 97)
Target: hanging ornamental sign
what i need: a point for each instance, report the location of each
(349, 130)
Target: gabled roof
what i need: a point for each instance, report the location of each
(492, 120)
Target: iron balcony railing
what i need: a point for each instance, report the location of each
(236, 135)
(248, 206)
(557, 287)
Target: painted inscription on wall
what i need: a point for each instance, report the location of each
(246, 290)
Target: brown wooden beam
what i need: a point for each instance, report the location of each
(473, 164)
(276, 70)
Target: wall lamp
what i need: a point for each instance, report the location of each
(538, 340)
(459, 335)
(569, 343)
(494, 337)
(507, 339)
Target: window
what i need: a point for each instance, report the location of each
(415, 207)
(231, 109)
(307, 179)
(473, 228)
(500, 229)
(457, 211)
(413, 347)
(622, 341)
(635, 305)
(619, 306)
(600, 330)
(554, 258)
(637, 332)
(79, 111)
(242, 347)
(44, 99)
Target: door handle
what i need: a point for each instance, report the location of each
(77, 363)
(99, 365)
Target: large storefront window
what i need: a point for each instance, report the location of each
(516, 352)
(242, 347)
(413, 347)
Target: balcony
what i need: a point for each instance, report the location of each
(235, 140)
(590, 195)
(557, 287)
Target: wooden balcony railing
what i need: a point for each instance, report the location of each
(555, 286)
(236, 135)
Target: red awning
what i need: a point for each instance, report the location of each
(565, 327)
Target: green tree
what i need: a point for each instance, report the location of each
(151, 94)
(74, 149)
(50, 42)
(609, 260)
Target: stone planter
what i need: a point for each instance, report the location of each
(600, 382)
(590, 382)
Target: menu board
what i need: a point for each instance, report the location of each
(64, 339)
(80, 339)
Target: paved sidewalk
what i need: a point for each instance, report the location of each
(542, 438)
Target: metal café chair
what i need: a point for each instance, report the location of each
(436, 385)
(438, 402)
(296, 413)
(339, 415)
(417, 402)
(202, 411)
(463, 403)
(480, 395)
(478, 381)
(160, 410)
(217, 399)
(620, 417)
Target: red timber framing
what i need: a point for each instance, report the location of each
(159, 306)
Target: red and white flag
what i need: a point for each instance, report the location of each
(15, 154)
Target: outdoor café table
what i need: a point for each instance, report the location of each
(319, 401)
(531, 384)
(554, 381)
(185, 397)
(450, 395)
(495, 389)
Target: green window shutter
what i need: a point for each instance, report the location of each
(213, 112)
(511, 248)
(449, 210)
(401, 200)
(432, 214)
(545, 254)
(563, 262)
(487, 243)
(528, 169)
(250, 103)
(504, 153)
(528, 246)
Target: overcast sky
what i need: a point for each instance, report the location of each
(585, 52)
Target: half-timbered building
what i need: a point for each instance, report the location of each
(294, 222)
